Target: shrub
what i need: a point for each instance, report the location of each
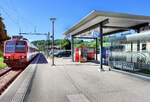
(1, 53)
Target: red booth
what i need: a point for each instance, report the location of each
(82, 54)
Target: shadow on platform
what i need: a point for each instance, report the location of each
(94, 61)
(42, 59)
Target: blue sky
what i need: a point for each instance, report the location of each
(30, 14)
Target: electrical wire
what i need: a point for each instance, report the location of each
(9, 17)
(11, 8)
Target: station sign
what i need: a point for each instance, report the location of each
(67, 36)
(95, 34)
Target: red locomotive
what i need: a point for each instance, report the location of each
(18, 52)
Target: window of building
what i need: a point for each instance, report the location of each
(143, 46)
(138, 46)
(131, 46)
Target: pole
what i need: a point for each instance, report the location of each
(20, 31)
(96, 49)
(53, 43)
(53, 19)
(48, 38)
(101, 48)
(72, 48)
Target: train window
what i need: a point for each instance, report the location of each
(20, 47)
(10, 47)
(138, 46)
(134, 46)
(15, 46)
(128, 47)
(131, 46)
(143, 46)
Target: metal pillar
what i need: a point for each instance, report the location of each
(101, 47)
(72, 48)
(48, 43)
(96, 49)
(53, 19)
(53, 43)
(110, 55)
(138, 30)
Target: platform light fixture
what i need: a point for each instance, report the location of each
(53, 20)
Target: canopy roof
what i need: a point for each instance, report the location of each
(117, 22)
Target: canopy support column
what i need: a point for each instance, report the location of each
(96, 49)
(72, 48)
(101, 47)
(106, 21)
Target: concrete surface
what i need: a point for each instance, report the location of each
(74, 82)
(18, 88)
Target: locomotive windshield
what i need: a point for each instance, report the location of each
(15, 47)
(10, 47)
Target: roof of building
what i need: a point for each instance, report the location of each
(90, 23)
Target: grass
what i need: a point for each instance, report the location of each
(2, 65)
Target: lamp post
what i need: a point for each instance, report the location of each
(53, 19)
(48, 43)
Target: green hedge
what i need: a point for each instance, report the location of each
(1, 54)
(2, 65)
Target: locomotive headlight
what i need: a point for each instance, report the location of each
(22, 57)
(6, 57)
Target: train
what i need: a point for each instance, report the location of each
(18, 52)
(130, 52)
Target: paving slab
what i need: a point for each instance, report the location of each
(69, 81)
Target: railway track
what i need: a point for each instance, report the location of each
(4, 70)
(7, 76)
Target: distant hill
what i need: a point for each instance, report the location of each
(43, 44)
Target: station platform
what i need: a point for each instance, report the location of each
(76, 82)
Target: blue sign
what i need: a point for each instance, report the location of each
(67, 36)
(95, 34)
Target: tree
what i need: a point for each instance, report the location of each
(65, 44)
(3, 31)
(3, 34)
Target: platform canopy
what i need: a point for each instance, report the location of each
(113, 23)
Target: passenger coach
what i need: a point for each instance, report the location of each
(132, 52)
(18, 52)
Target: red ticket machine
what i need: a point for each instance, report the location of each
(83, 54)
(77, 54)
(80, 54)
(90, 53)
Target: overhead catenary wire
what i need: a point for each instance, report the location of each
(34, 33)
(12, 7)
(12, 13)
(45, 43)
(9, 17)
(7, 11)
